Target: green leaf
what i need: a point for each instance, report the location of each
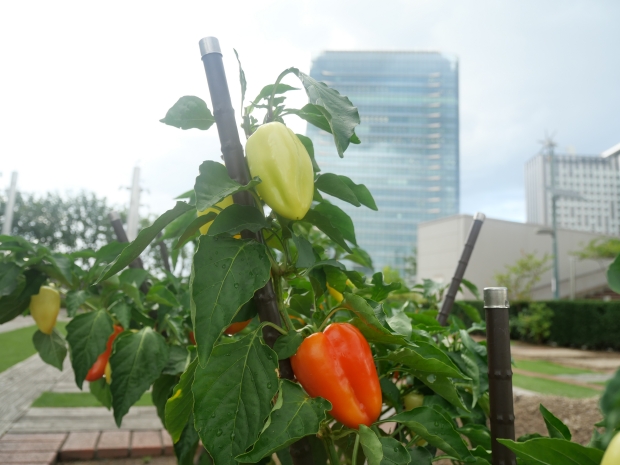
(232, 396)
(225, 274)
(307, 143)
(122, 312)
(332, 184)
(398, 320)
(188, 113)
(101, 390)
(471, 311)
(179, 407)
(437, 429)
(557, 429)
(426, 358)
(14, 304)
(479, 435)
(613, 275)
(193, 229)
(324, 224)
(51, 347)
(368, 323)
(391, 393)
(472, 288)
(137, 361)
(134, 276)
(394, 453)
(213, 185)
(87, 335)
(176, 227)
(242, 80)
(373, 450)
(160, 294)
(337, 109)
(420, 456)
(161, 391)
(286, 346)
(360, 257)
(339, 219)
(131, 291)
(185, 448)
(266, 91)
(74, 301)
(361, 192)
(552, 451)
(177, 360)
(237, 218)
(8, 278)
(294, 416)
(380, 290)
(305, 254)
(145, 237)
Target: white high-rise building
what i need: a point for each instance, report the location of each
(595, 178)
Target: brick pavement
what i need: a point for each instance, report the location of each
(47, 448)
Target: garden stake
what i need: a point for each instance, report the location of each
(502, 416)
(232, 150)
(448, 302)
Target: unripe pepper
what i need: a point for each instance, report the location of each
(337, 365)
(99, 367)
(44, 308)
(612, 454)
(277, 156)
(335, 293)
(227, 202)
(413, 400)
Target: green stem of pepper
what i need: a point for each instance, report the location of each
(355, 448)
(331, 451)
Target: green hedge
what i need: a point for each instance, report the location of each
(591, 324)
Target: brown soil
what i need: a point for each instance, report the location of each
(579, 415)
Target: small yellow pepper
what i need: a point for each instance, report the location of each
(44, 308)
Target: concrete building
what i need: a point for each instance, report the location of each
(409, 155)
(595, 178)
(502, 243)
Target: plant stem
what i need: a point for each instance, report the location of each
(355, 447)
(329, 316)
(331, 450)
(274, 326)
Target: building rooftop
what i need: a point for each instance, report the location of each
(615, 150)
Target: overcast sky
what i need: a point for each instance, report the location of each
(83, 84)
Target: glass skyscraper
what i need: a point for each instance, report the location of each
(409, 155)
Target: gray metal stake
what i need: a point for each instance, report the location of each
(500, 374)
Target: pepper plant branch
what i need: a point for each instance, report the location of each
(232, 151)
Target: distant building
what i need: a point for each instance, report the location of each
(595, 178)
(409, 156)
(502, 243)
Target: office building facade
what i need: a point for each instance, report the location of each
(595, 178)
(409, 155)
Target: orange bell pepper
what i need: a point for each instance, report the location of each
(337, 365)
(98, 369)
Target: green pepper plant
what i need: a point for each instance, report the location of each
(225, 390)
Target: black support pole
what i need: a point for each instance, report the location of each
(232, 150)
(448, 302)
(500, 374)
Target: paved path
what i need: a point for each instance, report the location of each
(587, 359)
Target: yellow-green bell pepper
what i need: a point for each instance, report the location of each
(277, 156)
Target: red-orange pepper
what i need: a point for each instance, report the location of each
(234, 328)
(98, 369)
(337, 365)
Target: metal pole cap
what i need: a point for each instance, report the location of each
(209, 45)
(496, 297)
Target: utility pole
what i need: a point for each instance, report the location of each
(134, 206)
(10, 206)
(555, 284)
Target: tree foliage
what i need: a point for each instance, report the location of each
(521, 277)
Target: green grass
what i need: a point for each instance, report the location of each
(79, 399)
(549, 368)
(554, 388)
(16, 345)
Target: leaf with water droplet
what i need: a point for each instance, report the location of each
(179, 406)
(294, 416)
(216, 300)
(437, 429)
(237, 385)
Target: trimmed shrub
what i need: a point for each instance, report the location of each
(591, 324)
